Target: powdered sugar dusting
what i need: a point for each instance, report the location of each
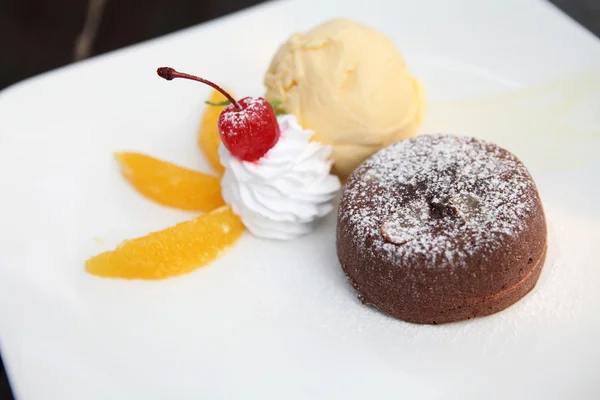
(399, 227)
(239, 119)
(438, 198)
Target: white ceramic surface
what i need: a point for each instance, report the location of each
(273, 320)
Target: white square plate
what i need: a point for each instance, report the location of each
(273, 320)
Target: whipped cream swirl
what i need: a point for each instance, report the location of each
(285, 193)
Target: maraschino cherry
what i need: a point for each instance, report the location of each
(248, 128)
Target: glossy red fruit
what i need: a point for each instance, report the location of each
(250, 132)
(248, 128)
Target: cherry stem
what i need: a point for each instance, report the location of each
(169, 74)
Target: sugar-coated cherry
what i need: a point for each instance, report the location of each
(248, 128)
(250, 132)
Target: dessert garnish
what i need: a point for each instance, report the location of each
(170, 184)
(208, 134)
(174, 251)
(248, 128)
(275, 180)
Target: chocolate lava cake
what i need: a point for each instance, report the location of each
(441, 228)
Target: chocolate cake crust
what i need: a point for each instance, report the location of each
(440, 228)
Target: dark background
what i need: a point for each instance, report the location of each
(39, 35)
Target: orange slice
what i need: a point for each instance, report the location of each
(174, 251)
(169, 184)
(208, 138)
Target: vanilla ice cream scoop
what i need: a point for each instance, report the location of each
(350, 84)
